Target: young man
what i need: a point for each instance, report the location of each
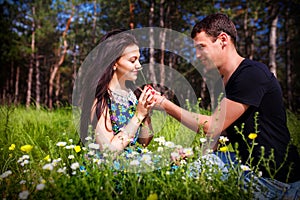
(251, 89)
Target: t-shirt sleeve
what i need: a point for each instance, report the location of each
(248, 85)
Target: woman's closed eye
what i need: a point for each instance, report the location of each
(133, 59)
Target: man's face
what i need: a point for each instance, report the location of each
(207, 50)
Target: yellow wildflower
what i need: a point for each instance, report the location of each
(26, 148)
(47, 158)
(12, 147)
(77, 149)
(224, 149)
(145, 150)
(152, 196)
(252, 136)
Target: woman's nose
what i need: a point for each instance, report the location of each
(138, 65)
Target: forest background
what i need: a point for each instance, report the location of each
(43, 43)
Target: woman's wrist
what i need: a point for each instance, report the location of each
(161, 101)
(159, 104)
(126, 135)
(132, 126)
(139, 117)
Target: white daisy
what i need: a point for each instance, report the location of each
(61, 144)
(6, 174)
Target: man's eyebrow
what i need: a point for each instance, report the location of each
(198, 45)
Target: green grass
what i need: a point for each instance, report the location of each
(294, 127)
(44, 129)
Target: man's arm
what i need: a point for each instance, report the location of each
(228, 112)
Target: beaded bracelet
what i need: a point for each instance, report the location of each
(126, 134)
(161, 101)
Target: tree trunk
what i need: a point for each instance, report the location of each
(61, 59)
(11, 80)
(252, 46)
(162, 43)
(37, 83)
(131, 22)
(252, 36)
(30, 71)
(152, 75)
(29, 84)
(74, 74)
(288, 61)
(272, 40)
(94, 23)
(57, 89)
(246, 32)
(45, 87)
(16, 100)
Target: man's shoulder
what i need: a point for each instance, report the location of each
(252, 63)
(254, 67)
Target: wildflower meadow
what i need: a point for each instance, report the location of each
(41, 157)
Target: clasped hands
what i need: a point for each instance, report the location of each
(149, 99)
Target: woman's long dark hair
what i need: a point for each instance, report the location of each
(101, 63)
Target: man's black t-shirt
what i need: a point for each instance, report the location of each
(253, 84)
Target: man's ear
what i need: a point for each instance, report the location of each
(224, 39)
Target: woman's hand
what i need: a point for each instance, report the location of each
(146, 102)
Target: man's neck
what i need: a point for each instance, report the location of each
(230, 66)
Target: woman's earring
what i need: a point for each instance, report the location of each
(114, 68)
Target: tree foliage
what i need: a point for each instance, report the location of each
(91, 19)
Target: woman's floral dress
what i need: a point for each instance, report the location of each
(121, 110)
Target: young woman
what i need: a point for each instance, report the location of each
(118, 116)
